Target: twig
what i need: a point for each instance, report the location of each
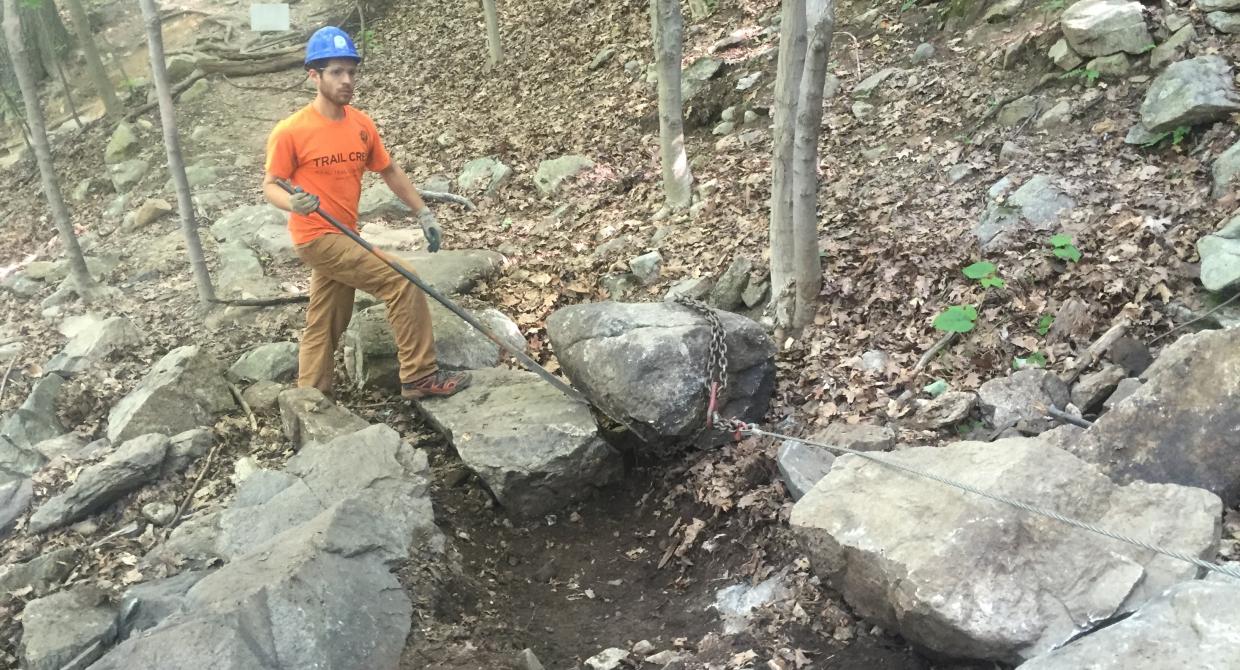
(1097, 349)
(267, 87)
(193, 489)
(1056, 413)
(856, 49)
(933, 350)
(450, 198)
(1214, 309)
(4, 384)
(263, 302)
(245, 406)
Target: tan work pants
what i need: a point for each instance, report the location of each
(341, 265)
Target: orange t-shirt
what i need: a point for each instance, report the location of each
(326, 158)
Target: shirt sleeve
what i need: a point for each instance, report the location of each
(281, 154)
(379, 160)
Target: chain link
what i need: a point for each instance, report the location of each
(717, 359)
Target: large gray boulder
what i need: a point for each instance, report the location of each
(135, 463)
(647, 364)
(36, 419)
(1037, 206)
(536, 449)
(184, 390)
(145, 605)
(308, 416)
(1183, 425)
(1191, 91)
(1220, 257)
(319, 588)
(967, 577)
(370, 350)
(68, 629)
(1105, 27)
(552, 173)
(1015, 401)
(95, 344)
(1193, 625)
(42, 574)
(274, 361)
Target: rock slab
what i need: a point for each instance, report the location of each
(133, 464)
(1189, 92)
(184, 390)
(1105, 27)
(308, 416)
(536, 449)
(72, 625)
(968, 577)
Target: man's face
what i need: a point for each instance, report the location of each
(336, 80)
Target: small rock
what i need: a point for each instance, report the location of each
(196, 91)
(923, 53)
(1224, 171)
(728, 293)
(1013, 401)
(1132, 354)
(126, 174)
(483, 175)
(748, 81)
(958, 172)
(1115, 65)
(694, 78)
(122, 146)
(601, 58)
(1092, 389)
(1001, 11)
(646, 267)
(159, 513)
(857, 437)
(180, 66)
(1039, 205)
(665, 658)
(1056, 117)
(1064, 56)
(1189, 92)
(262, 396)
(643, 648)
(42, 574)
(1011, 152)
(526, 660)
(1174, 48)
(750, 116)
(608, 659)
(862, 110)
(552, 173)
(276, 362)
(618, 286)
(696, 288)
(184, 449)
(134, 463)
(15, 496)
(946, 410)
(802, 466)
(1224, 22)
(755, 293)
(723, 128)
(830, 88)
(875, 361)
(308, 416)
(866, 87)
(1218, 5)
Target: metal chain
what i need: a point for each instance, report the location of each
(717, 355)
(740, 427)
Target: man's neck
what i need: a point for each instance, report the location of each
(328, 108)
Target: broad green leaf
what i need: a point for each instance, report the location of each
(992, 282)
(979, 270)
(1044, 324)
(1035, 360)
(936, 388)
(1069, 253)
(1061, 240)
(957, 319)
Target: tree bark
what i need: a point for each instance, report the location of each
(47, 48)
(42, 150)
(667, 26)
(788, 76)
(494, 44)
(172, 142)
(94, 65)
(806, 266)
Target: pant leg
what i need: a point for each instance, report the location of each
(331, 307)
(344, 261)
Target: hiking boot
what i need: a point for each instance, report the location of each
(438, 384)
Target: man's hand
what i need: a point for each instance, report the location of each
(430, 228)
(303, 203)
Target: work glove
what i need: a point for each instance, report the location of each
(303, 203)
(430, 228)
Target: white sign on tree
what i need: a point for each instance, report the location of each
(269, 17)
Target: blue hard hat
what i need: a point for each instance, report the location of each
(330, 42)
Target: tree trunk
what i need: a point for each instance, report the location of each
(788, 77)
(28, 17)
(667, 26)
(94, 65)
(172, 142)
(806, 266)
(47, 48)
(493, 42)
(42, 150)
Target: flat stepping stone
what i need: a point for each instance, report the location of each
(536, 449)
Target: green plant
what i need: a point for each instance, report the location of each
(907, 5)
(1044, 324)
(1053, 5)
(966, 427)
(1179, 134)
(985, 274)
(1063, 248)
(935, 388)
(1084, 74)
(1034, 360)
(956, 319)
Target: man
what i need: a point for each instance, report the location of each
(324, 149)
